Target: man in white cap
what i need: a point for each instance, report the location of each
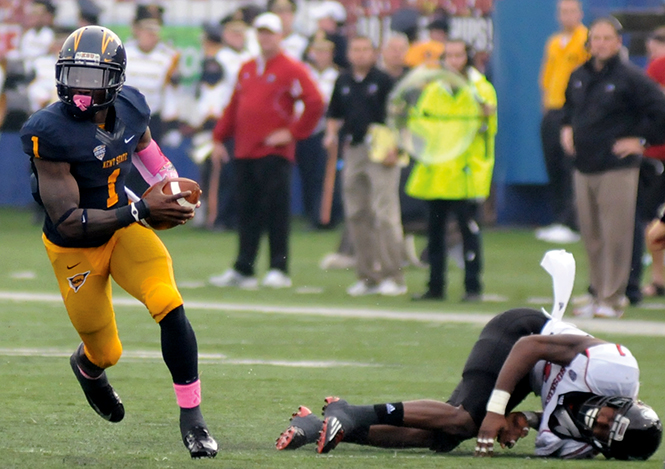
(261, 117)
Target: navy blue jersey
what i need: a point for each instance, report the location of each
(99, 159)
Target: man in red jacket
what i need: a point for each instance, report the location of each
(262, 119)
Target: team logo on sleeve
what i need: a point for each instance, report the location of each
(77, 281)
(99, 152)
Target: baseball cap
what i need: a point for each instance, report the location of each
(269, 21)
(233, 21)
(149, 13)
(212, 32)
(320, 41)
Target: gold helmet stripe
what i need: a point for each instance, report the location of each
(77, 38)
(106, 39)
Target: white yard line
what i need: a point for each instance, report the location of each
(204, 358)
(613, 326)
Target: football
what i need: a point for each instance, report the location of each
(174, 186)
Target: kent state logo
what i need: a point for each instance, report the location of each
(77, 281)
(99, 152)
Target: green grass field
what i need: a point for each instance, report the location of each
(263, 353)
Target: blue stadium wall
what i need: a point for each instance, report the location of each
(521, 28)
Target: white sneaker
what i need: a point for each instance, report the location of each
(586, 311)
(558, 234)
(275, 278)
(389, 287)
(233, 278)
(337, 261)
(360, 288)
(542, 231)
(604, 311)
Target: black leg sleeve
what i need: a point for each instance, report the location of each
(179, 347)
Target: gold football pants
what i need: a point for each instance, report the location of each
(138, 261)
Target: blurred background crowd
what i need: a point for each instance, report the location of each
(185, 55)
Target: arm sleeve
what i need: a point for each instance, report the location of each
(488, 94)
(387, 88)
(567, 118)
(649, 101)
(311, 98)
(335, 110)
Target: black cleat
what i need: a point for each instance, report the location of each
(336, 424)
(99, 393)
(199, 443)
(305, 428)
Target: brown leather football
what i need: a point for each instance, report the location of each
(174, 186)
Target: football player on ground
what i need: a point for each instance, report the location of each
(81, 150)
(588, 389)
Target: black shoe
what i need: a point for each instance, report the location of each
(305, 428)
(336, 423)
(472, 298)
(427, 295)
(199, 443)
(99, 393)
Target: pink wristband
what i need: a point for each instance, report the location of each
(153, 165)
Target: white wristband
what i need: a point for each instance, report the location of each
(498, 402)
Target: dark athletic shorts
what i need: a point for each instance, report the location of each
(485, 361)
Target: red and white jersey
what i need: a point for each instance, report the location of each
(604, 370)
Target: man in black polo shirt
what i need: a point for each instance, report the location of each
(370, 189)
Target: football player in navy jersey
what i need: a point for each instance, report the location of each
(81, 150)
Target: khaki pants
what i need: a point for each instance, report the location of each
(372, 213)
(606, 210)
